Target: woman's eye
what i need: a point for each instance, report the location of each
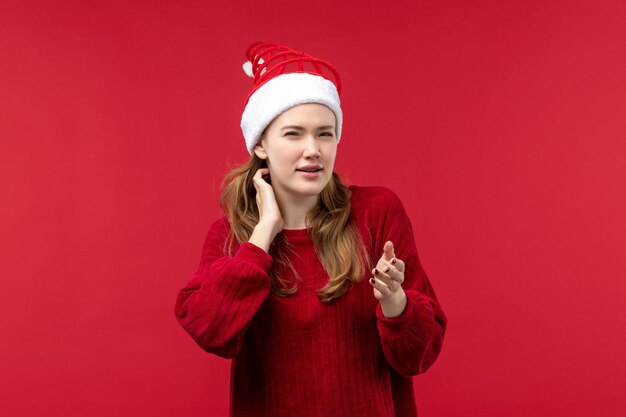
(295, 133)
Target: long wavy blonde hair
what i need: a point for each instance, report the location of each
(334, 235)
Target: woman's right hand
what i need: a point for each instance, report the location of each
(269, 213)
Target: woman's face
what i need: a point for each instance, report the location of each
(301, 136)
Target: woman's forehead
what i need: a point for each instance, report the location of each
(307, 115)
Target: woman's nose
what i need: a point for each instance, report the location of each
(312, 146)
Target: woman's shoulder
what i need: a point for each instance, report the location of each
(221, 223)
(374, 196)
(376, 209)
(219, 228)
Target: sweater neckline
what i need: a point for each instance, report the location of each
(296, 234)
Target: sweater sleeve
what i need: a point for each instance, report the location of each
(219, 301)
(411, 341)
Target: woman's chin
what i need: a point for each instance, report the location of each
(309, 190)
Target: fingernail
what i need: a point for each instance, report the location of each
(386, 270)
(393, 261)
(372, 281)
(375, 271)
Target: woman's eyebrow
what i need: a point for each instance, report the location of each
(301, 128)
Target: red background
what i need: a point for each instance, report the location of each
(500, 124)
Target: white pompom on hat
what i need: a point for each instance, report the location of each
(277, 89)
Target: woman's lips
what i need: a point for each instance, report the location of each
(312, 174)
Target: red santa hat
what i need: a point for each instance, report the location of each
(284, 78)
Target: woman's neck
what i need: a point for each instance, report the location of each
(295, 209)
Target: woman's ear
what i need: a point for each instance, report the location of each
(259, 150)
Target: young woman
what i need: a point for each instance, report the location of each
(312, 287)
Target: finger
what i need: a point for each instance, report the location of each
(390, 269)
(378, 295)
(394, 262)
(380, 286)
(257, 176)
(257, 181)
(384, 277)
(261, 172)
(260, 176)
(388, 250)
(397, 263)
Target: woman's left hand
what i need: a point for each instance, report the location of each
(388, 276)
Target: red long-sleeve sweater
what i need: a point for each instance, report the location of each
(297, 356)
